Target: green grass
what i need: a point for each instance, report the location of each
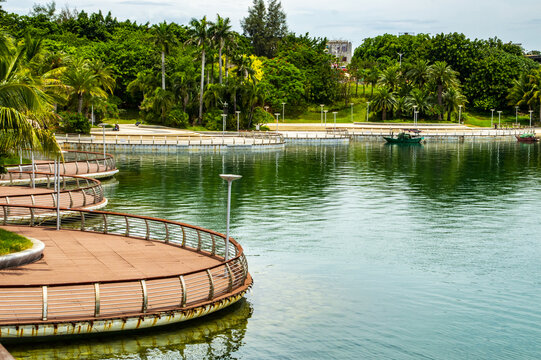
(11, 242)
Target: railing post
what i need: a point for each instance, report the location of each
(148, 230)
(104, 223)
(198, 240)
(44, 309)
(82, 221)
(166, 233)
(145, 296)
(31, 216)
(5, 214)
(213, 252)
(127, 226)
(96, 299)
(183, 288)
(230, 276)
(183, 244)
(211, 283)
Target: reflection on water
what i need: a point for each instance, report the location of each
(216, 336)
(365, 250)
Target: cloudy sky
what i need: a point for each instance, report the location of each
(517, 21)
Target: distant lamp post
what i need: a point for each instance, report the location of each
(351, 111)
(367, 110)
(415, 114)
(400, 55)
(334, 113)
(459, 112)
(103, 127)
(238, 120)
(224, 116)
(92, 115)
(530, 111)
(416, 117)
(499, 119)
(492, 118)
(277, 115)
(322, 106)
(229, 178)
(516, 115)
(266, 108)
(325, 111)
(283, 112)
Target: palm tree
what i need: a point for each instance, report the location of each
(418, 100)
(452, 98)
(373, 77)
(518, 93)
(164, 39)
(160, 102)
(24, 108)
(390, 77)
(199, 31)
(222, 34)
(534, 94)
(383, 101)
(418, 72)
(443, 77)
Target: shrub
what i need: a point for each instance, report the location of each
(74, 123)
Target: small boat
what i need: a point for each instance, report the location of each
(526, 138)
(405, 137)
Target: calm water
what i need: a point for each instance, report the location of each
(359, 251)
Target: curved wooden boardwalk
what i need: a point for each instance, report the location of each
(107, 271)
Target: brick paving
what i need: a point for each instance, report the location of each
(77, 256)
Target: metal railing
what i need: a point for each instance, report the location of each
(441, 133)
(75, 163)
(206, 139)
(21, 304)
(75, 191)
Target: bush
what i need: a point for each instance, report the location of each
(74, 123)
(212, 120)
(261, 117)
(177, 118)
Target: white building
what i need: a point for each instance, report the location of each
(342, 49)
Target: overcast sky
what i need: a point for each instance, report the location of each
(517, 21)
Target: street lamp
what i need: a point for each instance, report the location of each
(415, 114)
(516, 115)
(499, 119)
(351, 111)
(367, 110)
(416, 117)
(530, 111)
(283, 111)
(103, 127)
(325, 111)
(238, 119)
(459, 112)
(223, 121)
(322, 113)
(334, 113)
(277, 115)
(400, 54)
(229, 178)
(492, 118)
(266, 108)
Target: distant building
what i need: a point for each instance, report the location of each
(342, 49)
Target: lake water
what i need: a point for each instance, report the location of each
(357, 251)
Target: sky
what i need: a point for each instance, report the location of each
(517, 21)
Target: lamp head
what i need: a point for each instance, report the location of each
(230, 177)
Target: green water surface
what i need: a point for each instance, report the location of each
(357, 251)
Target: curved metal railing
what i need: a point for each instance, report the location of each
(75, 163)
(75, 192)
(21, 304)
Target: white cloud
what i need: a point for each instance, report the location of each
(348, 19)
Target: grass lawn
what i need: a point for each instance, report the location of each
(11, 242)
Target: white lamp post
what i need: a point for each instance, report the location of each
(414, 114)
(229, 178)
(499, 119)
(416, 117)
(238, 120)
(491, 118)
(277, 115)
(459, 112)
(92, 116)
(57, 187)
(266, 108)
(530, 111)
(223, 123)
(103, 127)
(334, 113)
(516, 115)
(351, 111)
(400, 54)
(283, 112)
(367, 110)
(322, 113)
(325, 111)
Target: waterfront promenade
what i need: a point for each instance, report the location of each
(104, 271)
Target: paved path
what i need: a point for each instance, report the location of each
(73, 256)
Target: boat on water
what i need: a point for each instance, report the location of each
(527, 138)
(407, 136)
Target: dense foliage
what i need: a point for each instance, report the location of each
(486, 69)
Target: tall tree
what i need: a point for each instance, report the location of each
(534, 94)
(265, 26)
(276, 26)
(254, 26)
(384, 101)
(199, 32)
(452, 99)
(443, 77)
(222, 34)
(163, 38)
